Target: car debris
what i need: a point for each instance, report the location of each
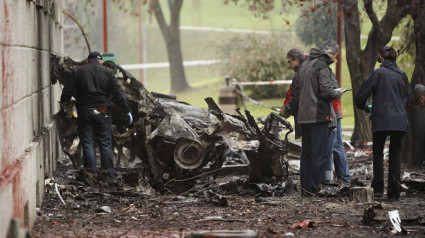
(369, 215)
(175, 140)
(224, 233)
(361, 194)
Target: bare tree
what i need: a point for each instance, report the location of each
(171, 34)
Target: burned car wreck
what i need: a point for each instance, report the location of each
(175, 140)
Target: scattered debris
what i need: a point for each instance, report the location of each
(393, 224)
(333, 190)
(289, 234)
(215, 198)
(103, 209)
(303, 224)
(59, 195)
(361, 194)
(369, 215)
(224, 233)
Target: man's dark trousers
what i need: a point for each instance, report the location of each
(315, 141)
(96, 125)
(379, 139)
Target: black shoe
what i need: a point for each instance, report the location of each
(378, 195)
(393, 199)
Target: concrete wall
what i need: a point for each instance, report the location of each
(30, 30)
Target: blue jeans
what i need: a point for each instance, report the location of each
(338, 153)
(315, 140)
(93, 126)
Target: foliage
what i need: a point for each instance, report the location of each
(260, 8)
(317, 23)
(405, 47)
(257, 58)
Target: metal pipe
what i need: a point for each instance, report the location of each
(81, 28)
(105, 27)
(339, 42)
(140, 41)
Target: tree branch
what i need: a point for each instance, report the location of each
(156, 7)
(381, 34)
(368, 5)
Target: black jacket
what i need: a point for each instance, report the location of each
(391, 92)
(92, 86)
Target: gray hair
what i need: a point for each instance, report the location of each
(330, 44)
(296, 53)
(418, 90)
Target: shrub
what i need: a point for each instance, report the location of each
(317, 23)
(257, 58)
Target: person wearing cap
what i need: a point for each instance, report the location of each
(390, 92)
(92, 85)
(314, 88)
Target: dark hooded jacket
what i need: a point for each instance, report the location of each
(314, 89)
(92, 86)
(391, 92)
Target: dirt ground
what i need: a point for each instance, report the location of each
(134, 212)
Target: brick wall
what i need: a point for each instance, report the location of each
(30, 30)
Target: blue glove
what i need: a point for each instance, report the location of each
(129, 118)
(369, 108)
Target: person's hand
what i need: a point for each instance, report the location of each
(284, 113)
(129, 118)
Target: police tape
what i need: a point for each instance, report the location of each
(247, 98)
(270, 82)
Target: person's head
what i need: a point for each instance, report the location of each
(419, 95)
(95, 55)
(331, 48)
(387, 52)
(295, 57)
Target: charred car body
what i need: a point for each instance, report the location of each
(176, 140)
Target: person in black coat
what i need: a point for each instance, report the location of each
(390, 89)
(92, 86)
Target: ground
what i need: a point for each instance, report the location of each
(134, 213)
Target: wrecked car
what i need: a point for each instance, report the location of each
(175, 140)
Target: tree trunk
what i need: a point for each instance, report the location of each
(171, 34)
(413, 144)
(361, 62)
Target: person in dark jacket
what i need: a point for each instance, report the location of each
(92, 86)
(296, 58)
(314, 88)
(390, 92)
